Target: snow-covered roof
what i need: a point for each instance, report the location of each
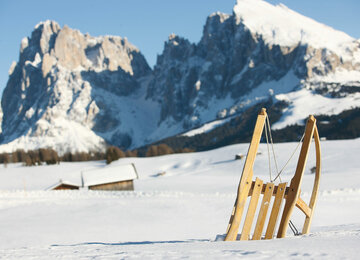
(61, 182)
(109, 174)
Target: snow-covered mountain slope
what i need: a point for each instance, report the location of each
(176, 215)
(297, 29)
(102, 90)
(74, 92)
(255, 54)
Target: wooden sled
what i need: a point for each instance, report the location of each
(291, 194)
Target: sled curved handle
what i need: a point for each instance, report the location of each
(308, 210)
(314, 194)
(294, 198)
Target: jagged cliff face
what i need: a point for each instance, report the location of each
(243, 59)
(1, 116)
(227, 64)
(62, 88)
(76, 92)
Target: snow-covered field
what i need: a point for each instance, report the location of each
(177, 215)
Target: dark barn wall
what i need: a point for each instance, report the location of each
(123, 185)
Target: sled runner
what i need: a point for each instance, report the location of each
(281, 193)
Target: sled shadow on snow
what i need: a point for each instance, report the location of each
(133, 243)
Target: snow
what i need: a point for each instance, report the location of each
(109, 174)
(132, 117)
(177, 215)
(280, 25)
(67, 124)
(75, 136)
(12, 68)
(218, 108)
(304, 102)
(264, 91)
(223, 17)
(206, 127)
(339, 76)
(24, 44)
(29, 113)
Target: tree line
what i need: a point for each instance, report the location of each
(114, 153)
(49, 156)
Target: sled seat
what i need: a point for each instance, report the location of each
(272, 195)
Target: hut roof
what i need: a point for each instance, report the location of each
(61, 182)
(109, 174)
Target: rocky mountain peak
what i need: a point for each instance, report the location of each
(41, 40)
(58, 78)
(176, 49)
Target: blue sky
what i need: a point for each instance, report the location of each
(146, 24)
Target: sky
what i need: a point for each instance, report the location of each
(146, 24)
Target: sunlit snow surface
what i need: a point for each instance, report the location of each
(305, 102)
(268, 20)
(176, 215)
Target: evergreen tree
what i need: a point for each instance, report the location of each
(113, 153)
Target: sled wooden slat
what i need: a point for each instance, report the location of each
(275, 211)
(276, 188)
(269, 189)
(251, 210)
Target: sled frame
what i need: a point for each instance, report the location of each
(290, 195)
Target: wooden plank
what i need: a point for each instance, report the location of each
(276, 188)
(269, 189)
(314, 194)
(231, 217)
(295, 183)
(246, 176)
(239, 208)
(251, 210)
(275, 211)
(303, 207)
(252, 188)
(264, 189)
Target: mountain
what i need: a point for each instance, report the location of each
(247, 57)
(68, 89)
(1, 116)
(76, 92)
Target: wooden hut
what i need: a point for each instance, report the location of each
(63, 185)
(117, 177)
